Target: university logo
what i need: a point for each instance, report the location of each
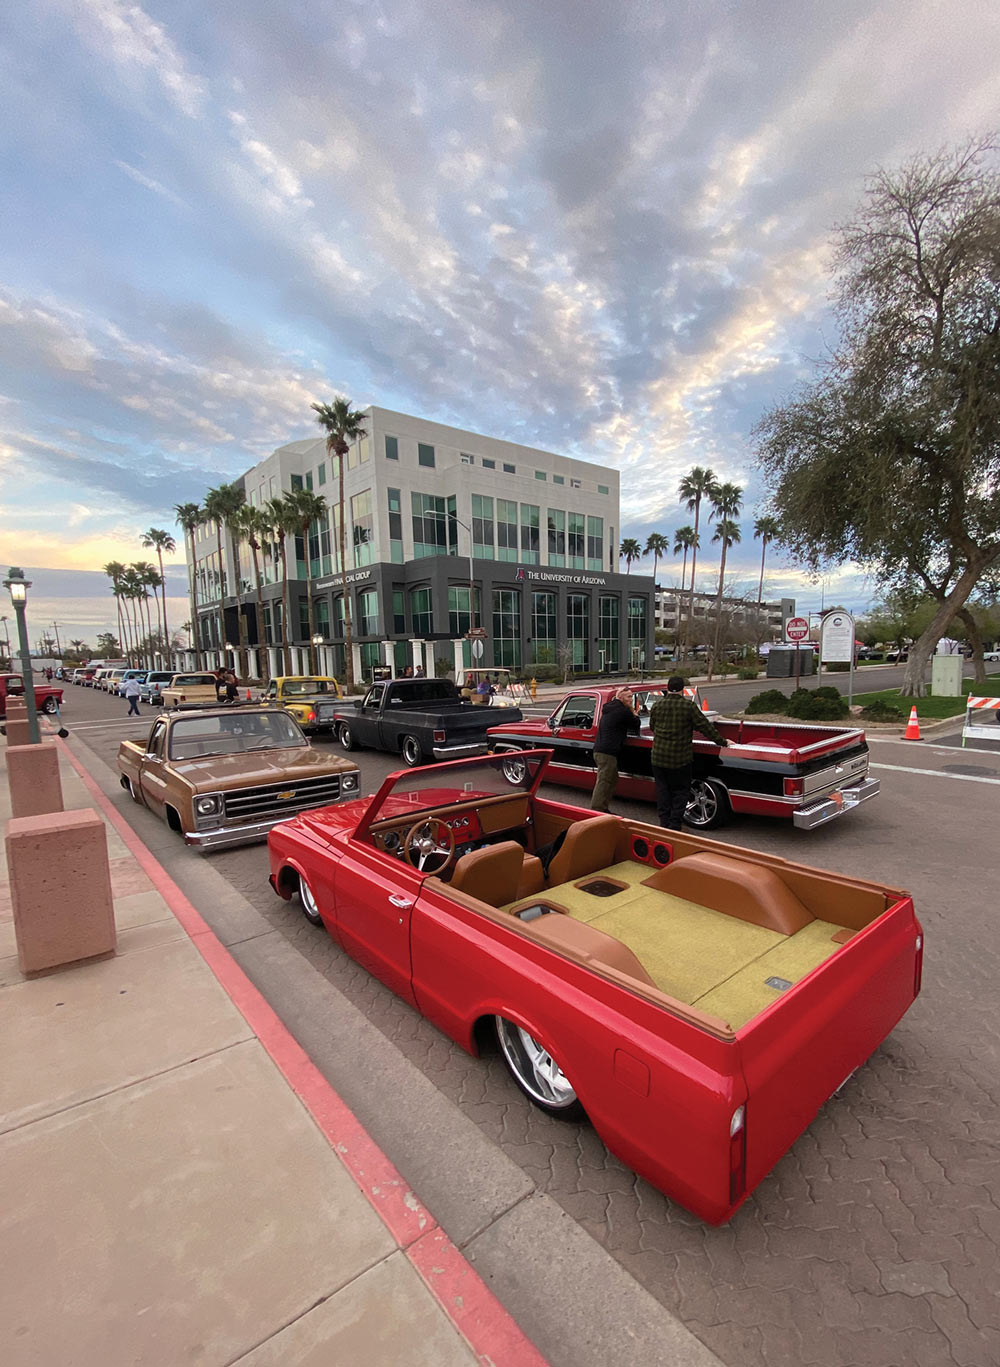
(520, 576)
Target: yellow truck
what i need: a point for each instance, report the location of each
(310, 698)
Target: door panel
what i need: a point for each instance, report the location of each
(374, 929)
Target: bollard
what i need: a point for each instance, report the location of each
(534, 689)
(18, 731)
(33, 777)
(60, 887)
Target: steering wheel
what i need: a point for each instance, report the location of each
(429, 845)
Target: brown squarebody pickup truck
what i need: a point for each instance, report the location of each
(225, 775)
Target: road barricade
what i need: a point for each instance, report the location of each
(981, 720)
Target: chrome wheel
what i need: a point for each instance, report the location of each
(707, 806)
(413, 753)
(49, 706)
(346, 738)
(536, 1072)
(309, 908)
(515, 771)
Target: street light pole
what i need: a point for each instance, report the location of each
(18, 587)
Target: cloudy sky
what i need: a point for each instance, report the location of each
(598, 228)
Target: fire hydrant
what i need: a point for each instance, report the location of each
(534, 689)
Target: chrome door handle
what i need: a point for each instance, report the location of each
(400, 901)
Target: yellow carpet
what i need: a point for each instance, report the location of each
(715, 962)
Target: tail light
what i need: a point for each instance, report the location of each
(182, 697)
(737, 1154)
(793, 787)
(918, 965)
(310, 715)
(438, 737)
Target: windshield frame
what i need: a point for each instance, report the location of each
(271, 718)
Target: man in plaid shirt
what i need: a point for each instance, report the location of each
(673, 720)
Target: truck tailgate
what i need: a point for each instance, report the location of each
(803, 1047)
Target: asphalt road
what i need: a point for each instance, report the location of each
(876, 1239)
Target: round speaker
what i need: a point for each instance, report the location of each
(640, 848)
(661, 853)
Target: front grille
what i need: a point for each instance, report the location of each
(272, 800)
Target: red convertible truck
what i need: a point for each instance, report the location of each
(47, 697)
(696, 1001)
(809, 773)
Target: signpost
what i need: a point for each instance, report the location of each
(796, 630)
(836, 636)
(476, 636)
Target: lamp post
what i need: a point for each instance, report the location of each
(472, 583)
(314, 645)
(18, 588)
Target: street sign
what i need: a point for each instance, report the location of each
(476, 634)
(477, 648)
(837, 638)
(796, 629)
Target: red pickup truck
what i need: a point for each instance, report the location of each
(47, 697)
(811, 774)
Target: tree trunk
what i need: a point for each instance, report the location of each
(193, 591)
(718, 612)
(163, 600)
(262, 663)
(921, 651)
(309, 600)
(976, 641)
(694, 562)
(222, 597)
(348, 633)
(286, 602)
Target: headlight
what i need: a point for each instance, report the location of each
(208, 806)
(350, 783)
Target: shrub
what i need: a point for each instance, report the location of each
(542, 673)
(880, 710)
(771, 700)
(839, 667)
(812, 707)
(750, 672)
(827, 691)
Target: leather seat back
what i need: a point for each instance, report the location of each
(492, 874)
(589, 845)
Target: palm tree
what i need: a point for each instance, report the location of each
(767, 529)
(630, 550)
(283, 521)
(147, 577)
(656, 545)
(684, 540)
(252, 526)
(220, 505)
(115, 571)
(698, 483)
(727, 501)
(309, 508)
(342, 424)
(190, 517)
(161, 541)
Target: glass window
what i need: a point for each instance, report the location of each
(467, 459)
(368, 613)
(421, 616)
(309, 480)
(425, 455)
(371, 655)
(558, 479)
(338, 617)
(395, 528)
(507, 628)
(543, 628)
(321, 473)
(529, 533)
(506, 531)
(391, 448)
(540, 474)
(575, 542)
(398, 613)
(296, 482)
(510, 469)
(595, 543)
(430, 532)
(459, 617)
(363, 534)
(578, 629)
(602, 488)
(364, 450)
(489, 464)
(607, 632)
(555, 521)
(482, 526)
(321, 614)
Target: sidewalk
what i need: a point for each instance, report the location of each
(178, 1183)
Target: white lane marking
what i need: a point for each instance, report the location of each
(934, 773)
(924, 745)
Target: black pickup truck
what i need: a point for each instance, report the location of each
(420, 719)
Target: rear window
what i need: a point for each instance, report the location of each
(423, 690)
(192, 680)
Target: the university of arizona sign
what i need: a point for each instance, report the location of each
(547, 577)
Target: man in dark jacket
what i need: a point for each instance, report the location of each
(618, 719)
(673, 720)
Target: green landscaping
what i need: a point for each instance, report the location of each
(929, 707)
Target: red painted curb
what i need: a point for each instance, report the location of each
(491, 1332)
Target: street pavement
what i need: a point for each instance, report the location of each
(875, 1240)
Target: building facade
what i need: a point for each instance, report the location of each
(768, 617)
(445, 531)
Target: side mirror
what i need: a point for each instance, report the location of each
(551, 723)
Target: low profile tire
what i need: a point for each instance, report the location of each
(346, 738)
(132, 791)
(514, 768)
(49, 706)
(708, 805)
(536, 1072)
(308, 903)
(412, 751)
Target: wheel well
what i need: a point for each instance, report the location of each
(124, 782)
(286, 884)
(173, 820)
(484, 1036)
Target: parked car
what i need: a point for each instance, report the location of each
(137, 674)
(420, 719)
(151, 688)
(310, 698)
(809, 774)
(225, 775)
(869, 653)
(188, 688)
(111, 680)
(48, 697)
(897, 655)
(992, 655)
(697, 1002)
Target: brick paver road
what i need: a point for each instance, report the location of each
(877, 1238)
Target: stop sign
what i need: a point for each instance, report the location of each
(796, 628)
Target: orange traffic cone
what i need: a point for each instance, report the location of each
(704, 704)
(249, 699)
(912, 731)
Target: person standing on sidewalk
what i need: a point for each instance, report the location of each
(673, 720)
(618, 720)
(130, 690)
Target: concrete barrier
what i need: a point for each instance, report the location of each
(18, 731)
(33, 777)
(60, 887)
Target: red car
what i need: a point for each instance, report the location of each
(696, 1001)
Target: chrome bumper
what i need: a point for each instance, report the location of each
(835, 804)
(221, 836)
(456, 751)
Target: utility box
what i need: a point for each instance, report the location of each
(946, 675)
(781, 662)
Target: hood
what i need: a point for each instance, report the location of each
(223, 772)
